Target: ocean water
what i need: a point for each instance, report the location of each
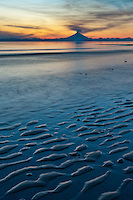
(76, 90)
(8, 48)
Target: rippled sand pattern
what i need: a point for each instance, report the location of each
(85, 156)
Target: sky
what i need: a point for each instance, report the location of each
(62, 18)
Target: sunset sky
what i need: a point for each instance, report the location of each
(61, 18)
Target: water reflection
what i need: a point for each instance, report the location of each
(51, 47)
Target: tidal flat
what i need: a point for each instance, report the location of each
(66, 126)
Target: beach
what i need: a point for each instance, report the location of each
(66, 122)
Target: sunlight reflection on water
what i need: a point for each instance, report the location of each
(50, 47)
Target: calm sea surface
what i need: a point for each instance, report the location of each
(56, 47)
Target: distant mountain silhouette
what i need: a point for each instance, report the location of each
(76, 37)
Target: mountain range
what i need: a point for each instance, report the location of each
(77, 37)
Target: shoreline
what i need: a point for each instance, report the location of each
(68, 53)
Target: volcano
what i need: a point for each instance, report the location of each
(77, 37)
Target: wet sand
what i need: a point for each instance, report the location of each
(67, 134)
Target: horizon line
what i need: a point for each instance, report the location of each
(65, 39)
(77, 37)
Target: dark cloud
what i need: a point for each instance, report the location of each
(86, 30)
(4, 35)
(98, 15)
(110, 15)
(75, 27)
(25, 27)
(91, 22)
